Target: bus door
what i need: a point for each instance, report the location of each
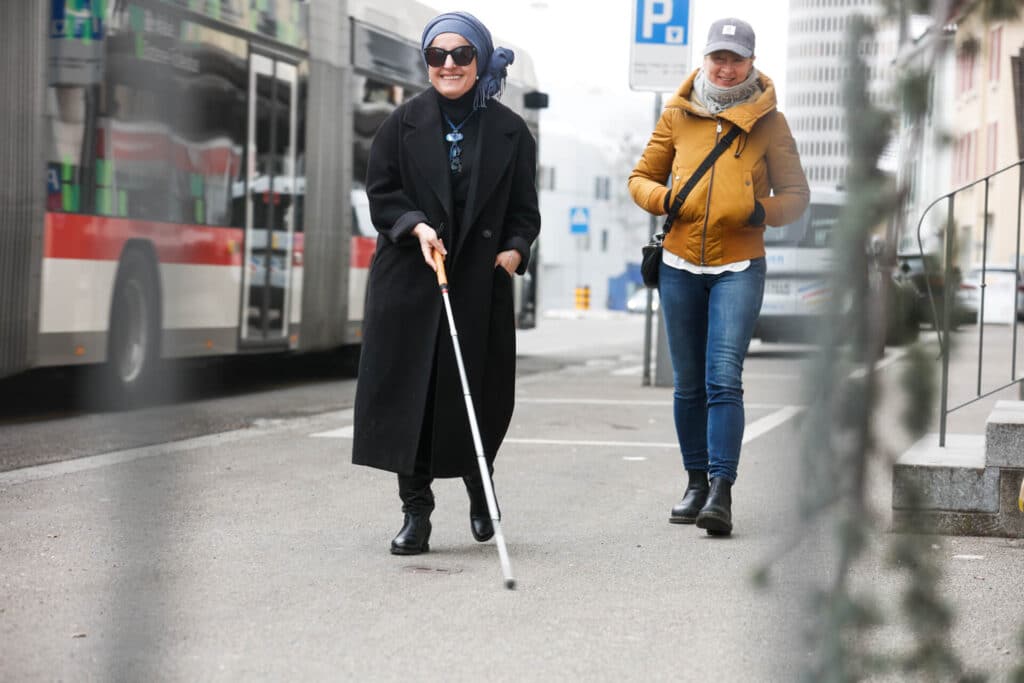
(270, 206)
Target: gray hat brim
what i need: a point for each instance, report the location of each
(729, 46)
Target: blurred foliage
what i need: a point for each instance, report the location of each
(915, 89)
(839, 443)
(919, 381)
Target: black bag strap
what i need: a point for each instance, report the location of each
(710, 159)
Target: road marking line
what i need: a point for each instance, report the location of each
(751, 432)
(770, 422)
(93, 462)
(968, 557)
(610, 444)
(890, 358)
(627, 371)
(627, 402)
(260, 427)
(341, 433)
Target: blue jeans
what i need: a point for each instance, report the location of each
(709, 320)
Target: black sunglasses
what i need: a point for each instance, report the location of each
(463, 55)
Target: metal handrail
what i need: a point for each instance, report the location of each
(947, 304)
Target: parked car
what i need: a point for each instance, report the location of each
(924, 271)
(637, 302)
(1000, 284)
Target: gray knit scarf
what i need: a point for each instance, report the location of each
(717, 100)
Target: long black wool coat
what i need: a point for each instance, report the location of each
(405, 324)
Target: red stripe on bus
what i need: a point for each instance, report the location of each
(101, 238)
(362, 251)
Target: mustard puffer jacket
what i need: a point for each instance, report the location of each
(712, 227)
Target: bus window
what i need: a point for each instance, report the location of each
(374, 100)
(821, 222)
(813, 229)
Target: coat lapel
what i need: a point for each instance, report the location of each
(493, 154)
(426, 148)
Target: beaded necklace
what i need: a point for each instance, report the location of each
(454, 137)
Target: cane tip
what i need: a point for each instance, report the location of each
(510, 584)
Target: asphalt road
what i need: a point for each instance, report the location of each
(227, 537)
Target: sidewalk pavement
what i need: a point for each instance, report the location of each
(261, 554)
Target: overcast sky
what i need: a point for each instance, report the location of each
(581, 51)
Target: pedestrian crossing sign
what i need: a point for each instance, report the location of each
(579, 220)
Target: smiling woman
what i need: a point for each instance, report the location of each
(712, 270)
(451, 65)
(451, 172)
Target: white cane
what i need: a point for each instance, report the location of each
(485, 475)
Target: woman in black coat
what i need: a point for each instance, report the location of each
(451, 170)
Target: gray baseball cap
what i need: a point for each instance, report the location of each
(734, 35)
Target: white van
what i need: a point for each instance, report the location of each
(798, 280)
(799, 273)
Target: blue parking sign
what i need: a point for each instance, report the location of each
(662, 22)
(659, 55)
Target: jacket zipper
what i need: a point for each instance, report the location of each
(707, 205)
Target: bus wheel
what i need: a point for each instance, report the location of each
(133, 347)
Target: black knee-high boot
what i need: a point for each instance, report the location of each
(417, 504)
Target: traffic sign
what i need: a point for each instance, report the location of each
(659, 57)
(579, 220)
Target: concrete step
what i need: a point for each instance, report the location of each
(950, 478)
(956, 490)
(1004, 435)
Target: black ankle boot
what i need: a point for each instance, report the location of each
(685, 511)
(716, 515)
(412, 539)
(479, 517)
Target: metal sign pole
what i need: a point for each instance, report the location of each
(649, 313)
(659, 60)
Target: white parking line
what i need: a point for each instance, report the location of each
(92, 462)
(891, 356)
(609, 444)
(625, 402)
(770, 422)
(340, 433)
(752, 431)
(260, 427)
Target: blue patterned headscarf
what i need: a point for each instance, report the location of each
(491, 62)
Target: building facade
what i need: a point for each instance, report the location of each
(815, 76)
(592, 229)
(984, 138)
(924, 155)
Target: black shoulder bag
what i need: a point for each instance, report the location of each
(650, 260)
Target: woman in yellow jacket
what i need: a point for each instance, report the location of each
(711, 279)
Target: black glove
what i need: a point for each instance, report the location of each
(757, 217)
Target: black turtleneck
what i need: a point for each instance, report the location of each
(457, 111)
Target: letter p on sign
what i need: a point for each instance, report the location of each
(655, 12)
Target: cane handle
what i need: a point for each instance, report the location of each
(442, 277)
